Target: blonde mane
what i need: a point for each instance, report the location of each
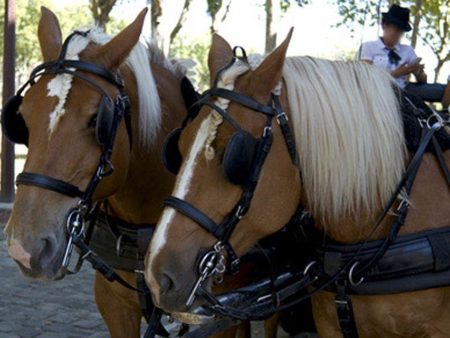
(139, 61)
(349, 135)
(226, 79)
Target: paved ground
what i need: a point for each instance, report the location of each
(38, 309)
(62, 309)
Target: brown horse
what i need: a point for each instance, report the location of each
(352, 154)
(62, 144)
(58, 112)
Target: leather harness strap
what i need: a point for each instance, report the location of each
(49, 183)
(344, 310)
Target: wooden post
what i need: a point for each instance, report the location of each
(9, 52)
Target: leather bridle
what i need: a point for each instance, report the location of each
(212, 263)
(77, 217)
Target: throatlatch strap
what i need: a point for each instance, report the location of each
(344, 309)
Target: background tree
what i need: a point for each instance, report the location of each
(100, 11)
(195, 50)
(273, 9)
(180, 21)
(213, 9)
(435, 32)
(155, 14)
(28, 53)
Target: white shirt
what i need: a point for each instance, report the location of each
(377, 52)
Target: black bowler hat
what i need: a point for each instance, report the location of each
(397, 16)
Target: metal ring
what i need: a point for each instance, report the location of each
(210, 258)
(74, 226)
(438, 124)
(308, 267)
(119, 245)
(350, 276)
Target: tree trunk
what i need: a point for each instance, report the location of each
(437, 70)
(213, 28)
(155, 13)
(417, 16)
(272, 12)
(100, 11)
(180, 21)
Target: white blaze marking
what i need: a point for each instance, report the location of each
(181, 188)
(60, 85)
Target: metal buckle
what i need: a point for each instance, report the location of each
(403, 200)
(266, 130)
(106, 169)
(280, 115)
(238, 214)
(119, 245)
(308, 268)
(75, 227)
(350, 276)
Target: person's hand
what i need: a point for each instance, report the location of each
(405, 69)
(419, 70)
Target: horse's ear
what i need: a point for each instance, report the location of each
(219, 56)
(269, 72)
(114, 53)
(49, 34)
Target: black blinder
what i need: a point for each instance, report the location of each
(171, 155)
(13, 124)
(105, 120)
(239, 156)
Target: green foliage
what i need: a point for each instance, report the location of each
(213, 7)
(197, 50)
(435, 29)
(358, 12)
(28, 52)
(285, 4)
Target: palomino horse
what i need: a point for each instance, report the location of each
(60, 114)
(60, 117)
(352, 155)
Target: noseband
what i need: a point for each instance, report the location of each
(212, 263)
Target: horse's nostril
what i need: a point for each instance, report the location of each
(165, 284)
(48, 251)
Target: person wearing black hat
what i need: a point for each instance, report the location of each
(400, 60)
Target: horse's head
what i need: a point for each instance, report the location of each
(67, 120)
(220, 154)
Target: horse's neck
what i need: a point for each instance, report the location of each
(428, 200)
(148, 182)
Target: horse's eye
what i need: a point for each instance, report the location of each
(92, 121)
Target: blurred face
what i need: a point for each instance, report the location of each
(392, 34)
